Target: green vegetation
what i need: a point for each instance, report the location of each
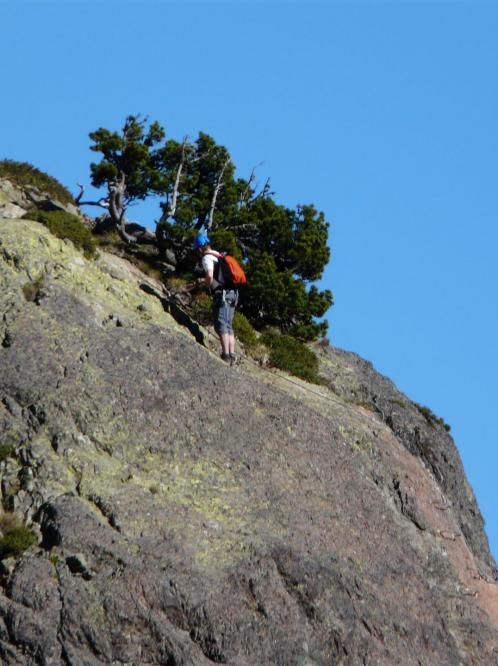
(176, 283)
(201, 308)
(31, 290)
(244, 330)
(24, 174)
(292, 355)
(128, 168)
(16, 538)
(398, 403)
(65, 225)
(147, 264)
(6, 450)
(283, 250)
(431, 418)
(15, 541)
(108, 239)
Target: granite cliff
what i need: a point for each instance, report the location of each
(188, 513)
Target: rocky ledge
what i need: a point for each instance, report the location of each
(188, 513)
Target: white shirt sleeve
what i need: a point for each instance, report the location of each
(208, 262)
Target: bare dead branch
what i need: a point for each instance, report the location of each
(243, 227)
(265, 191)
(124, 235)
(243, 246)
(82, 189)
(244, 197)
(172, 206)
(102, 203)
(217, 188)
(117, 192)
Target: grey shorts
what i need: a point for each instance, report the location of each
(224, 303)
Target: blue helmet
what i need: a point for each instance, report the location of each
(201, 240)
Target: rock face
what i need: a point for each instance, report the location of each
(15, 201)
(190, 513)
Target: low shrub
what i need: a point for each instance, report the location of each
(64, 225)
(431, 418)
(23, 174)
(15, 540)
(109, 238)
(54, 559)
(176, 283)
(244, 331)
(201, 308)
(146, 265)
(292, 356)
(6, 450)
(32, 290)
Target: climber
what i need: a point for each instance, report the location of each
(225, 295)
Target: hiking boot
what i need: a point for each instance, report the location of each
(225, 357)
(233, 359)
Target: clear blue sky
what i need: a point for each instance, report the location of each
(382, 114)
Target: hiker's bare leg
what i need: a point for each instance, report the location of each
(231, 343)
(225, 343)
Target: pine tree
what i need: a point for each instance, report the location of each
(284, 250)
(128, 167)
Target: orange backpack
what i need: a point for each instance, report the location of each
(229, 272)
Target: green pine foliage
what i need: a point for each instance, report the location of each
(292, 355)
(129, 153)
(64, 225)
(283, 250)
(24, 174)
